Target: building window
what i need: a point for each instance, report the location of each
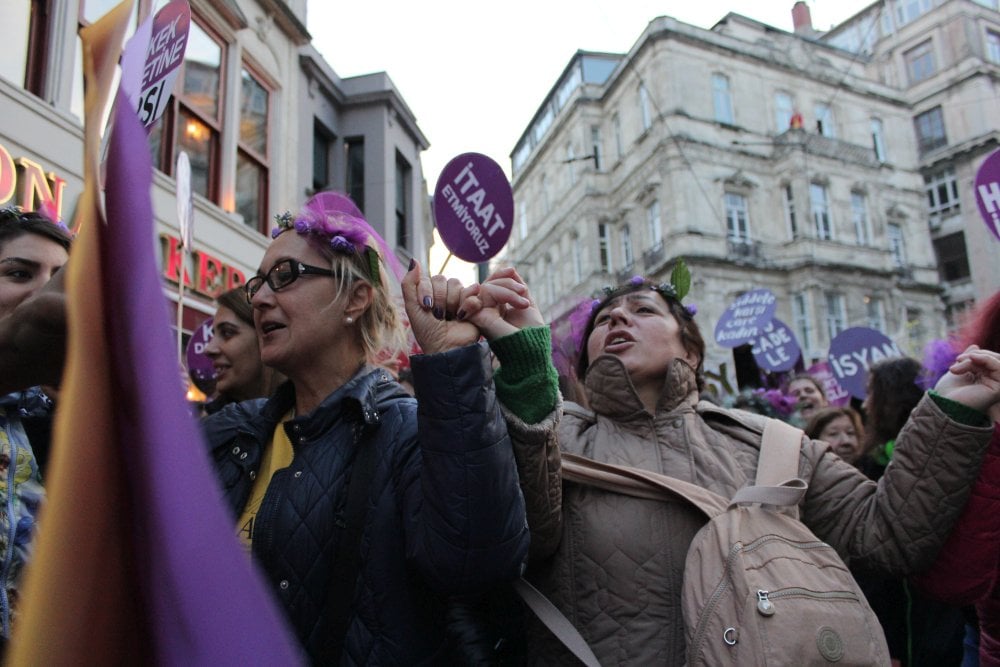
(577, 253)
(920, 62)
(878, 139)
(355, 187)
(953, 259)
(616, 126)
(930, 130)
(322, 144)
(403, 189)
(653, 223)
(737, 218)
(595, 146)
(26, 42)
(993, 46)
(803, 323)
(942, 193)
(820, 203)
(193, 118)
(522, 223)
(543, 184)
(859, 215)
(251, 159)
(571, 164)
(875, 313)
(836, 314)
(894, 234)
(647, 120)
(722, 99)
(790, 221)
(628, 253)
(824, 121)
(783, 110)
(604, 247)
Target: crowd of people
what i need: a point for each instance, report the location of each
(390, 523)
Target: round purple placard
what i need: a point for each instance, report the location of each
(835, 394)
(745, 318)
(988, 192)
(473, 207)
(776, 348)
(853, 351)
(200, 367)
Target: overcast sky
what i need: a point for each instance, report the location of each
(474, 74)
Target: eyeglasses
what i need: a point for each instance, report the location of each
(283, 274)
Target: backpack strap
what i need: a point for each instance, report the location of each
(640, 483)
(777, 481)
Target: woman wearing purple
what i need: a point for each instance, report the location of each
(362, 509)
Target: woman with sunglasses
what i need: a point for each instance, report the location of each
(362, 515)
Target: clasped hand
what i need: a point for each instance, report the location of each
(444, 314)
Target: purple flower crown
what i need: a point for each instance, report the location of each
(334, 218)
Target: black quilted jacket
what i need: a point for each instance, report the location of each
(445, 513)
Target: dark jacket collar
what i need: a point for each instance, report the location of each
(356, 401)
(610, 391)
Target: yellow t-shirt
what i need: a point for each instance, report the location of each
(277, 455)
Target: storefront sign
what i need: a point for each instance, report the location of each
(776, 348)
(473, 207)
(853, 352)
(745, 318)
(212, 276)
(27, 181)
(988, 192)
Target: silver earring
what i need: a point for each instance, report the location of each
(349, 319)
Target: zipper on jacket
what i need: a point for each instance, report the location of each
(798, 593)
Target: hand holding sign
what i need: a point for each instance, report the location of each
(988, 192)
(431, 304)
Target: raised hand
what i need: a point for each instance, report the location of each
(432, 305)
(502, 305)
(974, 380)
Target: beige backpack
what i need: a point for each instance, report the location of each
(759, 587)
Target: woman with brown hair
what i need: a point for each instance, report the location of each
(239, 373)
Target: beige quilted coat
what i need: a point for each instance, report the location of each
(613, 564)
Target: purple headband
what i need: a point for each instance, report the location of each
(334, 218)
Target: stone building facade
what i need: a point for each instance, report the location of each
(945, 58)
(764, 159)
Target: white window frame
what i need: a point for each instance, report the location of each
(737, 217)
(835, 313)
(859, 216)
(875, 313)
(604, 245)
(819, 203)
(654, 224)
(803, 321)
(647, 118)
(824, 120)
(788, 202)
(722, 99)
(628, 250)
(897, 245)
(784, 109)
(942, 193)
(878, 139)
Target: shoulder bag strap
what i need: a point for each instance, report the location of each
(556, 622)
(640, 483)
(347, 559)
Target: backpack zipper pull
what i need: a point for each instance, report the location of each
(764, 605)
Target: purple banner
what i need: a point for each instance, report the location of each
(200, 367)
(164, 55)
(473, 207)
(744, 319)
(988, 192)
(835, 394)
(853, 351)
(776, 348)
